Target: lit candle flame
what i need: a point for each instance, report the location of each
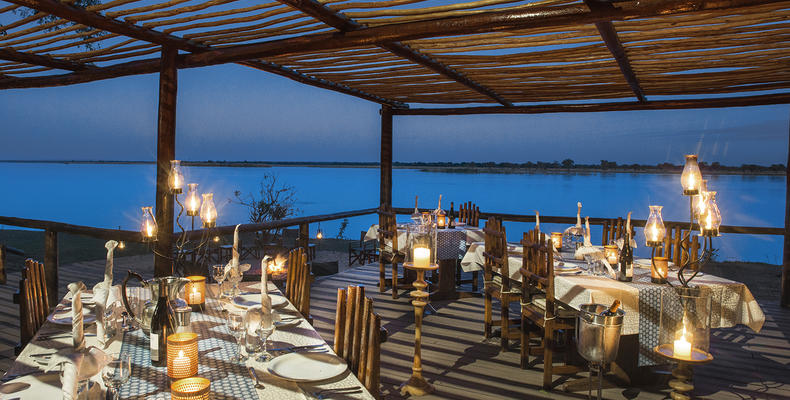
(709, 222)
(149, 229)
(653, 233)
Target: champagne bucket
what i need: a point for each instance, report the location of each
(598, 336)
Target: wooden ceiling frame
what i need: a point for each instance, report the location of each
(98, 21)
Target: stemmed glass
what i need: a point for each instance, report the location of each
(218, 273)
(264, 332)
(116, 373)
(234, 277)
(236, 328)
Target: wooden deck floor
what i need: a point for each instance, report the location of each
(462, 365)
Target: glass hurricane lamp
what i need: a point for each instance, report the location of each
(208, 213)
(691, 178)
(193, 200)
(710, 221)
(148, 225)
(176, 181)
(655, 231)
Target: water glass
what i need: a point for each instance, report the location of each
(110, 320)
(264, 332)
(116, 373)
(236, 328)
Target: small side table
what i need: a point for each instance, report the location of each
(416, 385)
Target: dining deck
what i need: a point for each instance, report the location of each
(462, 365)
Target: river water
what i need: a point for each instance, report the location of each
(110, 195)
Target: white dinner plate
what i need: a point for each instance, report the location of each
(45, 385)
(86, 298)
(647, 263)
(566, 266)
(254, 299)
(291, 322)
(64, 317)
(307, 366)
(460, 224)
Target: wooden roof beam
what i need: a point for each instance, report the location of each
(721, 102)
(345, 24)
(612, 40)
(44, 61)
(98, 21)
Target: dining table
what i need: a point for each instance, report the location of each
(216, 347)
(732, 302)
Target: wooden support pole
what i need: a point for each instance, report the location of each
(304, 236)
(51, 265)
(3, 253)
(785, 299)
(165, 151)
(385, 195)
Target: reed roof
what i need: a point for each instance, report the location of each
(487, 52)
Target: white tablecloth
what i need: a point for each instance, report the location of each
(452, 243)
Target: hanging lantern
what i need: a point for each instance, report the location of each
(176, 177)
(148, 226)
(711, 221)
(654, 228)
(193, 200)
(319, 235)
(691, 178)
(208, 213)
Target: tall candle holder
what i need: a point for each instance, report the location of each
(421, 257)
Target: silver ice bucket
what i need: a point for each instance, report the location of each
(598, 336)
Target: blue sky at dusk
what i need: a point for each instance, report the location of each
(236, 113)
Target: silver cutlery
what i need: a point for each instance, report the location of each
(298, 348)
(19, 375)
(326, 393)
(254, 376)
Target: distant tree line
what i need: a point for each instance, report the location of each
(569, 164)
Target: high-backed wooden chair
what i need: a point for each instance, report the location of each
(388, 251)
(674, 242)
(469, 214)
(297, 285)
(33, 302)
(614, 229)
(541, 315)
(358, 336)
(497, 282)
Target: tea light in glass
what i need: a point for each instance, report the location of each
(658, 271)
(556, 240)
(182, 355)
(611, 253)
(195, 291)
(195, 388)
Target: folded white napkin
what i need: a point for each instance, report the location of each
(266, 301)
(588, 248)
(576, 229)
(104, 293)
(619, 242)
(234, 261)
(78, 366)
(609, 268)
(76, 289)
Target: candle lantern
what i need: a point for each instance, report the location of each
(698, 201)
(208, 213)
(658, 272)
(556, 240)
(684, 333)
(195, 292)
(195, 388)
(182, 355)
(710, 221)
(691, 178)
(654, 228)
(193, 200)
(176, 180)
(421, 240)
(441, 219)
(611, 253)
(148, 226)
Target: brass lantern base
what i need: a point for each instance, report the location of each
(683, 384)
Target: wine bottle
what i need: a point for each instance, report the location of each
(160, 328)
(451, 224)
(626, 260)
(612, 310)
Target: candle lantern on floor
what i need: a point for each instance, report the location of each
(195, 292)
(556, 240)
(182, 355)
(684, 334)
(195, 388)
(176, 180)
(208, 213)
(148, 226)
(421, 256)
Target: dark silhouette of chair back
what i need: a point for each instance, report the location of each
(33, 301)
(297, 287)
(469, 214)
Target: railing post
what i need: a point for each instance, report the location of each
(385, 195)
(165, 151)
(785, 298)
(51, 265)
(3, 252)
(304, 236)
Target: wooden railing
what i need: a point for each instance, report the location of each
(52, 229)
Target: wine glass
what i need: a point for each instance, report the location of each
(234, 277)
(236, 328)
(264, 332)
(218, 273)
(116, 372)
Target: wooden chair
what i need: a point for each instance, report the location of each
(358, 336)
(33, 302)
(541, 316)
(614, 229)
(388, 251)
(297, 285)
(469, 214)
(674, 242)
(497, 282)
(363, 251)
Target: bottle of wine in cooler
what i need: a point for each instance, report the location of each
(626, 260)
(160, 328)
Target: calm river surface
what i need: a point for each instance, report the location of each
(110, 195)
